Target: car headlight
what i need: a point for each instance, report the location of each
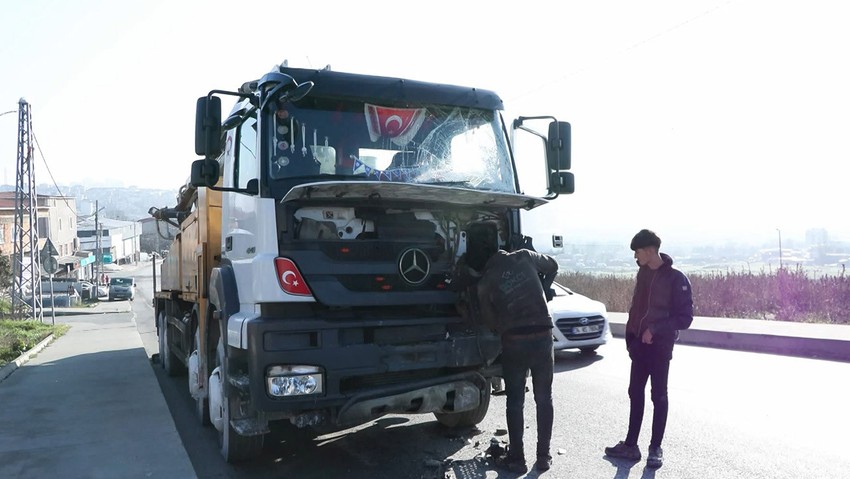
(286, 381)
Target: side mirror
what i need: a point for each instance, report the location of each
(208, 127)
(204, 173)
(558, 151)
(562, 182)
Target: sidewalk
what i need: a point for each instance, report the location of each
(89, 406)
(820, 341)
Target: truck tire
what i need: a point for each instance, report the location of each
(202, 404)
(170, 363)
(467, 418)
(233, 447)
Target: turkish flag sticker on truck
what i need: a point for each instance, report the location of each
(399, 125)
(290, 278)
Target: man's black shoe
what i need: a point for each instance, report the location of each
(655, 458)
(512, 464)
(623, 451)
(544, 463)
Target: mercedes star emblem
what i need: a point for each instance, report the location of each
(414, 266)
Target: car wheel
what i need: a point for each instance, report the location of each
(589, 351)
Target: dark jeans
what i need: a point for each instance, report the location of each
(519, 355)
(648, 362)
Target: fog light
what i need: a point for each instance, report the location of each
(283, 381)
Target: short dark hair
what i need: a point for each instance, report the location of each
(645, 238)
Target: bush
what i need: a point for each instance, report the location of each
(786, 295)
(17, 337)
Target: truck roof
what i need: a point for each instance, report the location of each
(368, 87)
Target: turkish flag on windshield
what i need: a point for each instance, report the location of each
(398, 124)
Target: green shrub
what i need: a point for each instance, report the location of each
(17, 337)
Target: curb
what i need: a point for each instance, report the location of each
(834, 349)
(8, 369)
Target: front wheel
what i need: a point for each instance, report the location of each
(588, 351)
(467, 418)
(233, 446)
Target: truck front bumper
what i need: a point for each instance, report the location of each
(370, 369)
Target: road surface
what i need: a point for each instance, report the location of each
(732, 415)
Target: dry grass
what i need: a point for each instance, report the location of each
(785, 295)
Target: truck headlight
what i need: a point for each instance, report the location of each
(285, 381)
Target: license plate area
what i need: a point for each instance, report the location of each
(594, 328)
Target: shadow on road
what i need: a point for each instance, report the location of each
(624, 468)
(391, 447)
(572, 360)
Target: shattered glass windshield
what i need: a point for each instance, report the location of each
(429, 144)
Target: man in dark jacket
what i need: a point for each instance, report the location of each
(662, 305)
(513, 299)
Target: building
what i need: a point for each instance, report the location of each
(119, 240)
(57, 220)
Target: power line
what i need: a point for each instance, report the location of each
(631, 47)
(64, 198)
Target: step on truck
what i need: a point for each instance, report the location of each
(314, 281)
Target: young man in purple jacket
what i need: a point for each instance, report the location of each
(661, 306)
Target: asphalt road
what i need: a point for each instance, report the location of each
(732, 415)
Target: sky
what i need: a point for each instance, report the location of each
(705, 120)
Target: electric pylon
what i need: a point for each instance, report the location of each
(26, 290)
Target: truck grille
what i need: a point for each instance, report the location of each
(566, 325)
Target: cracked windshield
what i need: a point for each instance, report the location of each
(429, 144)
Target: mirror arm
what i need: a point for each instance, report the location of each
(231, 93)
(520, 120)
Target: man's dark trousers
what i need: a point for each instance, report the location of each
(649, 361)
(520, 354)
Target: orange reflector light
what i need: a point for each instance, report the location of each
(379, 279)
(386, 287)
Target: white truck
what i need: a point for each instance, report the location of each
(311, 281)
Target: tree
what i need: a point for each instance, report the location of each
(6, 274)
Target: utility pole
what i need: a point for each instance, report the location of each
(98, 255)
(780, 247)
(27, 271)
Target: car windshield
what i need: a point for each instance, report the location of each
(120, 281)
(318, 138)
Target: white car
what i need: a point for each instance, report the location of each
(579, 322)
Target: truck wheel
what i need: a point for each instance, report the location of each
(233, 447)
(467, 418)
(202, 404)
(170, 363)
